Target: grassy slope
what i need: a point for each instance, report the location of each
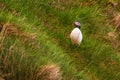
(93, 60)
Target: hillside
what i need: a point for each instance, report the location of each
(35, 43)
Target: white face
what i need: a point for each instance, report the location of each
(77, 24)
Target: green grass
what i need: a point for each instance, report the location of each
(49, 27)
(41, 49)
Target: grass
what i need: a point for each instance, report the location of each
(54, 54)
(44, 40)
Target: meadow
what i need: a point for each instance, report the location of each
(35, 43)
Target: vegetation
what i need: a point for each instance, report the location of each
(35, 44)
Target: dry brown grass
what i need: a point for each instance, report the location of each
(7, 29)
(113, 39)
(117, 21)
(49, 72)
(112, 3)
(62, 4)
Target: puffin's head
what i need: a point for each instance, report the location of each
(77, 24)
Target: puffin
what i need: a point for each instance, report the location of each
(76, 34)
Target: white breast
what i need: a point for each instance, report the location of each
(76, 36)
